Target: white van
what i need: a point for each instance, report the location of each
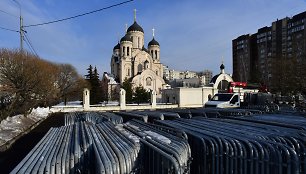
(224, 100)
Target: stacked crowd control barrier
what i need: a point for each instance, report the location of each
(156, 115)
(165, 150)
(82, 148)
(90, 142)
(214, 112)
(93, 117)
(244, 144)
(172, 141)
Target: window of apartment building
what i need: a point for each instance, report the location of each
(299, 35)
(289, 38)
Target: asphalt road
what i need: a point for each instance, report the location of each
(10, 158)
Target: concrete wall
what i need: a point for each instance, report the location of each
(112, 108)
(171, 98)
(122, 105)
(188, 97)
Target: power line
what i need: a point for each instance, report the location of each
(9, 13)
(28, 42)
(9, 29)
(64, 19)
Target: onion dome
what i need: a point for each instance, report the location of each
(153, 42)
(135, 27)
(126, 38)
(222, 66)
(117, 47)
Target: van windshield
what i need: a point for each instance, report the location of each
(222, 97)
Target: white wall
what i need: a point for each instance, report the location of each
(188, 97)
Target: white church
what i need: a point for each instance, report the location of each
(132, 61)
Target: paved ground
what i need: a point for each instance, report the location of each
(10, 158)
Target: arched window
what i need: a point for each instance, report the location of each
(128, 51)
(123, 51)
(223, 84)
(128, 72)
(155, 54)
(152, 53)
(140, 67)
(148, 81)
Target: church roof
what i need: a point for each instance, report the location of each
(117, 46)
(135, 27)
(126, 38)
(214, 79)
(153, 42)
(222, 66)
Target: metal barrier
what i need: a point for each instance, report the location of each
(93, 117)
(165, 150)
(241, 145)
(90, 143)
(204, 141)
(127, 116)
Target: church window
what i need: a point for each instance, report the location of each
(128, 51)
(152, 53)
(128, 72)
(139, 67)
(156, 72)
(123, 51)
(148, 81)
(156, 54)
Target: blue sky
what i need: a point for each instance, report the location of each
(193, 34)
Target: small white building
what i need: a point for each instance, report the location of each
(197, 97)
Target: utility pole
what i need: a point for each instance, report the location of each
(21, 33)
(21, 26)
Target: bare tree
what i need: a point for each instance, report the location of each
(69, 83)
(26, 78)
(26, 81)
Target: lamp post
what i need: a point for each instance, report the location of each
(21, 25)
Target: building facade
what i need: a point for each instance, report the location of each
(242, 57)
(207, 74)
(273, 54)
(133, 62)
